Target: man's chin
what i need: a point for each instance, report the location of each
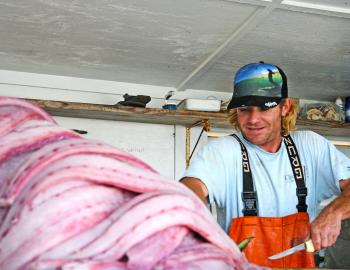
(255, 139)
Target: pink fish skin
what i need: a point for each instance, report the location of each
(70, 203)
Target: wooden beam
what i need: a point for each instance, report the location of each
(168, 117)
(131, 114)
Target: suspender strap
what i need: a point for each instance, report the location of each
(249, 196)
(297, 172)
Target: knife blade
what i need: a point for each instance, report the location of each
(308, 246)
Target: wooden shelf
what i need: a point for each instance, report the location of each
(160, 116)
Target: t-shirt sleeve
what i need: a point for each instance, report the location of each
(210, 165)
(333, 166)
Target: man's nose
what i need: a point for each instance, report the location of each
(254, 115)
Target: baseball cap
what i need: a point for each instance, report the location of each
(259, 84)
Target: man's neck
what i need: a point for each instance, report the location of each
(271, 146)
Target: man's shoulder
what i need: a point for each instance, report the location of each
(223, 140)
(308, 139)
(225, 145)
(305, 134)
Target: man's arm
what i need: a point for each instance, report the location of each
(326, 227)
(197, 186)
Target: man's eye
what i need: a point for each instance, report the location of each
(242, 109)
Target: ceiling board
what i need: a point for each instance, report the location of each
(163, 42)
(314, 50)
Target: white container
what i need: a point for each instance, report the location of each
(209, 105)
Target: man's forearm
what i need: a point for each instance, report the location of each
(341, 204)
(326, 227)
(197, 186)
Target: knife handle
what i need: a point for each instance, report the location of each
(309, 246)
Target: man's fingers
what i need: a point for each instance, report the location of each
(316, 240)
(321, 240)
(324, 241)
(333, 239)
(330, 239)
(325, 230)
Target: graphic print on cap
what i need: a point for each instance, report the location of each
(258, 80)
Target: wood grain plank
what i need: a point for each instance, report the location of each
(168, 117)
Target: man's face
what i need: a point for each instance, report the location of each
(261, 127)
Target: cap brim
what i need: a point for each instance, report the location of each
(259, 101)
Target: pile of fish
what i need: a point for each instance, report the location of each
(67, 202)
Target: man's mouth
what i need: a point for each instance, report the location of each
(255, 129)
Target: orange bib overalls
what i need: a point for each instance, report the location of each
(273, 234)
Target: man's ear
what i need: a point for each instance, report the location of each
(286, 105)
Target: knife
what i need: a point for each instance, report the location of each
(308, 246)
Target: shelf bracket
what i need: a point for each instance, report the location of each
(206, 127)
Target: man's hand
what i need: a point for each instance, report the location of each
(326, 227)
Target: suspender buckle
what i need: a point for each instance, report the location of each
(302, 208)
(302, 193)
(250, 206)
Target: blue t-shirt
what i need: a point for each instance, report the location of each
(219, 165)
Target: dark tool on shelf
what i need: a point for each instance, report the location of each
(134, 101)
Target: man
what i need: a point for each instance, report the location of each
(268, 179)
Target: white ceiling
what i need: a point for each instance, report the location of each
(186, 44)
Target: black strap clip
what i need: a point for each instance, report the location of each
(302, 208)
(302, 193)
(250, 203)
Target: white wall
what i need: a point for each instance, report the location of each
(42, 86)
(160, 146)
(163, 147)
(154, 144)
